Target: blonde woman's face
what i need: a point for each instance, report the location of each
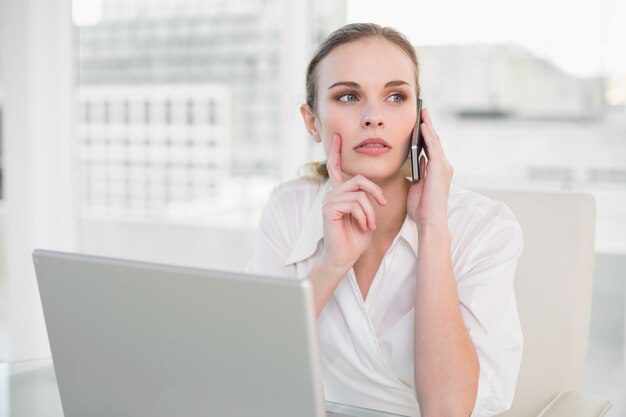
(366, 94)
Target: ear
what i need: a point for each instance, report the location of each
(310, 119)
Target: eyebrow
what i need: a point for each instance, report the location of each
(352, 84)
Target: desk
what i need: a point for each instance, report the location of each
(29, 389)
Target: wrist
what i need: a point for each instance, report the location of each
(434, 232)
(333, 267)
(434, 221)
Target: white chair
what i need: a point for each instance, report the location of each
(553, 287)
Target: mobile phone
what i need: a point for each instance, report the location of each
(417, 144)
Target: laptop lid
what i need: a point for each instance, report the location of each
(142, 339)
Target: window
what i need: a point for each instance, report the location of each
(207, 76)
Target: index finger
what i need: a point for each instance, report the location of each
(333, 165)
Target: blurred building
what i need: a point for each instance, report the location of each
(143, 149)
(169, 46)
(506, 81)
(236, 46)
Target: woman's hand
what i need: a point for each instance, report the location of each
(427, 202)
(349, 219)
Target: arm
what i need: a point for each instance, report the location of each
(487, 296)
(486, 301)
(446, 364)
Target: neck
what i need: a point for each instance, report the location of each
(389, 218)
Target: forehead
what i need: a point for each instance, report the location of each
(368, 61)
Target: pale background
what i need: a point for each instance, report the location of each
(154, 129)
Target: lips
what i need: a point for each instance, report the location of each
(373, 142)
(372, 147)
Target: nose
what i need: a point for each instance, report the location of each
(372, 117)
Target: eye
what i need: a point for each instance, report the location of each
(396, 98)
(347, 97)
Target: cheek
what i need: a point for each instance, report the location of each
(406, 125)
(330, 123)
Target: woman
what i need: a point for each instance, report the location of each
(413, 282)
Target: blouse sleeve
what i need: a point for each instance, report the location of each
(489, 310)
(273, 243)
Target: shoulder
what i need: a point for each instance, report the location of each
(473, 216)
(291, 202)
(472, 205)
(293, 205)
(485, 232)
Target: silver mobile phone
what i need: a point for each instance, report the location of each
(417, 144)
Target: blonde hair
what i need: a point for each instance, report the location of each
(346, 34)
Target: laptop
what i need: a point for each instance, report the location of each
(139, 339)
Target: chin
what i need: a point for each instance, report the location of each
(374, 174)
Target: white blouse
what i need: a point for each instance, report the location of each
(367, 345)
